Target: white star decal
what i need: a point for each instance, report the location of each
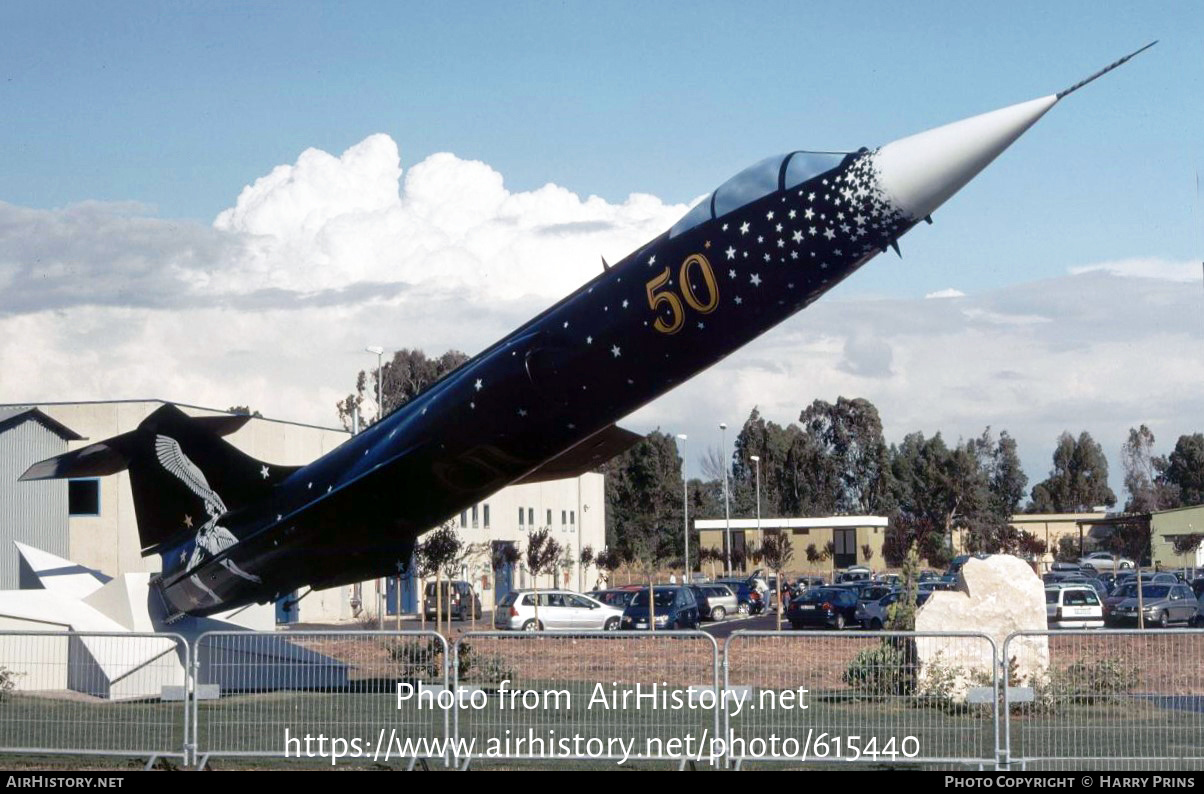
(264, 472)
(188, 521)
(792, 214)
(731, 274)
(778, 228)
(615, 351)
(797, 237)
(829, 233)
(809, 214)
(624, 303)
(760, 239)
(700, 325)
(756, 280)
(589, 340)
(769, 215)
(781, 243)
(477, 385)
(731, 252)
(522, 411)
(744, 228)
(739, 300)
(309, 486)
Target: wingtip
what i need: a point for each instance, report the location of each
(1104, 71)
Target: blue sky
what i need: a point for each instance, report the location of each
(157, 116)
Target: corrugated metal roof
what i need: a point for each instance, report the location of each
(13, 415)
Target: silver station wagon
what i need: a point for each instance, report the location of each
(559, 610)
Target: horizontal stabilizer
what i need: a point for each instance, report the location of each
(182, 472)
(586, 456)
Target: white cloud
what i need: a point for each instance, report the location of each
(946, 293)
(273, 305)
(1154, 268)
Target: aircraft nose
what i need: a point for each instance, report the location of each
(918, 173)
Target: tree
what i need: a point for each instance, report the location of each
(243, 410)
(1187, 544)
(901, 615)
(1185, 469)
(1078, 480)
(777, 552)
(849, 435)
(542, 555)
(644, 498)
(1145, 474)
(435, 552)
(1131, 538)
(607, 561)
(403, 377)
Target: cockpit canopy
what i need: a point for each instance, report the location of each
(772, 173)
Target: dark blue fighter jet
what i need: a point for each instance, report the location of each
(542, 402)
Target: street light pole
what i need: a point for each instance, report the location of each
(685, 503)
(757, 464)
(381, 595)
(727, 510)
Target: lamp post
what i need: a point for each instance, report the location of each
(727, 510)
(685, 503)
(382, 596)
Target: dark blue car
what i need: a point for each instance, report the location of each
(748, 599)
(823, 606)
(672, 608)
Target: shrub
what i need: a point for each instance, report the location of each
(8, 683)
(881, 671)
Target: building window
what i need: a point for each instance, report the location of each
(485, 517)
(564, 521)
(549, 519)
(572, 518)
(520, 517)
(474, 516)
(463, 519)
(531, 516)
(83, 497)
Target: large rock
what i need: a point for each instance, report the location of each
(995, 596)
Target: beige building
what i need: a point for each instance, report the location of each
(1166, 526)
(573, 508)
(850, 536)
(1052, 527)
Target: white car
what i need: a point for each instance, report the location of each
(1103, 561)
(559, 610)
(1073, 606)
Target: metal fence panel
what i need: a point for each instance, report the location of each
(93, 693)
(615, 695)
(1109, 699)
(885, 698)
(331, 696)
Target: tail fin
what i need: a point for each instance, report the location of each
(181, 471)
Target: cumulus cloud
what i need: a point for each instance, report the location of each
(272, 305)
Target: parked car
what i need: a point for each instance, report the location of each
(715, 601)
(803, 582)
(1066, 567)
(823, 606)
(748, 600)
(465, 604)
(854, 573)
(927, 576)
(673, 607)
(1117, 595)
(1163, 604)
(892, 579)
(1147, 577)
(613, 598)
(559, 610)
(1104, 561)
(872, 613)
(875, 591)
(1073, 606)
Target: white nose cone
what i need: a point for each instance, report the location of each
(918, 173)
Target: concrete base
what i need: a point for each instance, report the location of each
(93, 612)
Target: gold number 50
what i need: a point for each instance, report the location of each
(676, 311)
